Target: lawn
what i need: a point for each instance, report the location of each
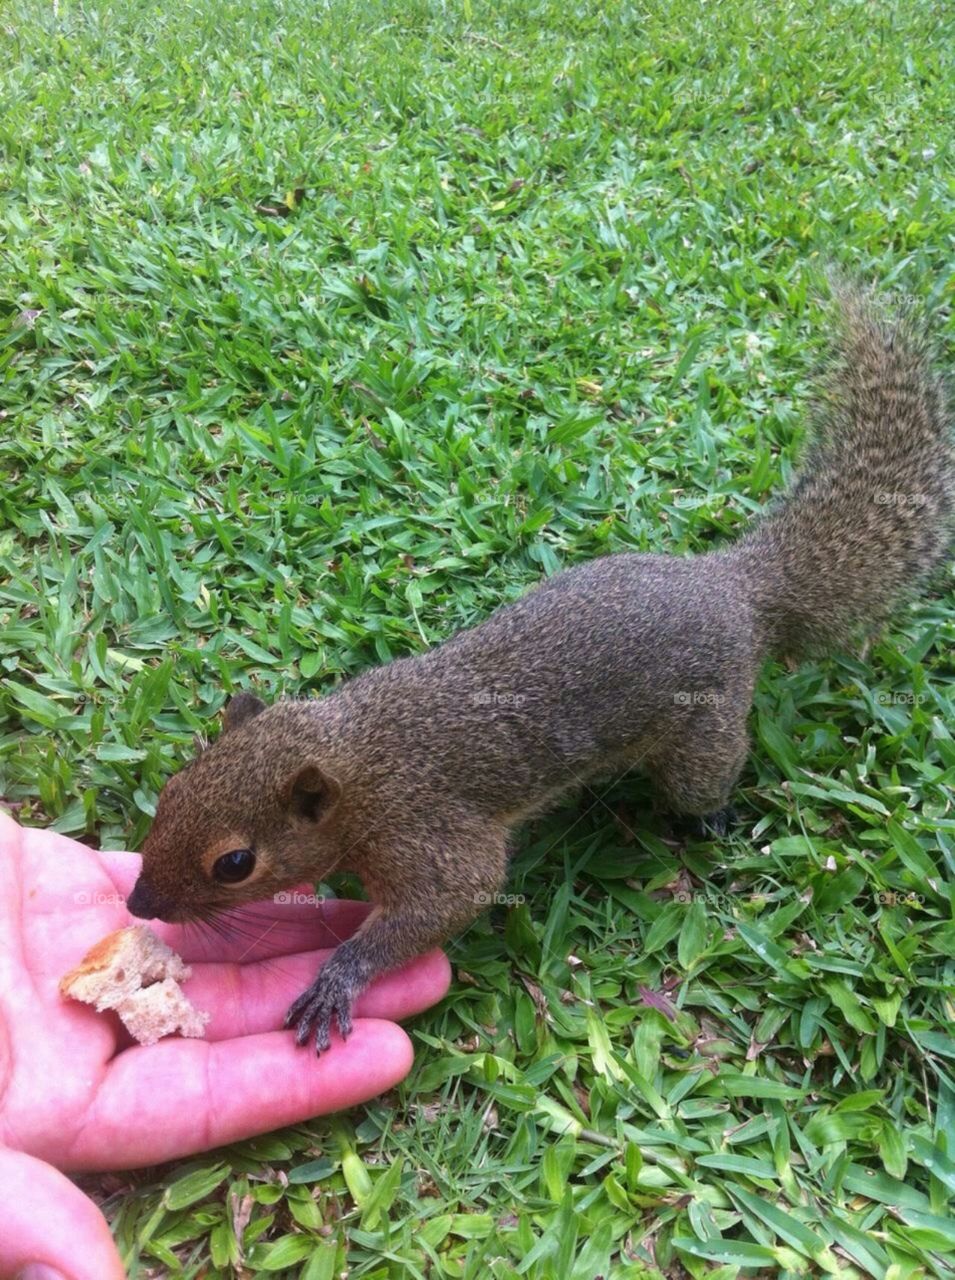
(327, 327)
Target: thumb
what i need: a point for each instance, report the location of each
(50, 1225)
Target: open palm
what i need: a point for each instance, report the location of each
(75, 1094)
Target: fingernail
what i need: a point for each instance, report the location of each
(40, 1271)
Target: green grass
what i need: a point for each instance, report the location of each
(547, 291)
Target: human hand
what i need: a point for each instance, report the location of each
(75, 1094)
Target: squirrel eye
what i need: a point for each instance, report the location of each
(233, 867)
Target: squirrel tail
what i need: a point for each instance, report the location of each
(869, 515)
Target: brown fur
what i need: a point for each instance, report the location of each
(414, 773)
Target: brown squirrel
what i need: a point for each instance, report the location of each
(414, 774)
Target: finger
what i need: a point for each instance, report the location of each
(121, 867)
(11, 838)
(263, 930)
(47, 1220)
(178, 1097)
(248, 999)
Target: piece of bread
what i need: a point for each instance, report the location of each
(135, 973)
(159, 1010)
(120, 964)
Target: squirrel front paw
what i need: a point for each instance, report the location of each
(328, 999)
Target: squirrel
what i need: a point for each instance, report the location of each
(414, 774)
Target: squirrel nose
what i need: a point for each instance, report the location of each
(147, 904)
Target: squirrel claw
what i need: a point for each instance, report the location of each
(720, 822)
(707, 825)
(315, 1010)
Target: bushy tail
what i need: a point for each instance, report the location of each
(870, 513)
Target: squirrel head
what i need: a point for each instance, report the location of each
(251, 816)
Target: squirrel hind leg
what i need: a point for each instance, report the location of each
(696, 778)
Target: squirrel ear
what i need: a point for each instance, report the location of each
(240, 709)
(310, 793)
